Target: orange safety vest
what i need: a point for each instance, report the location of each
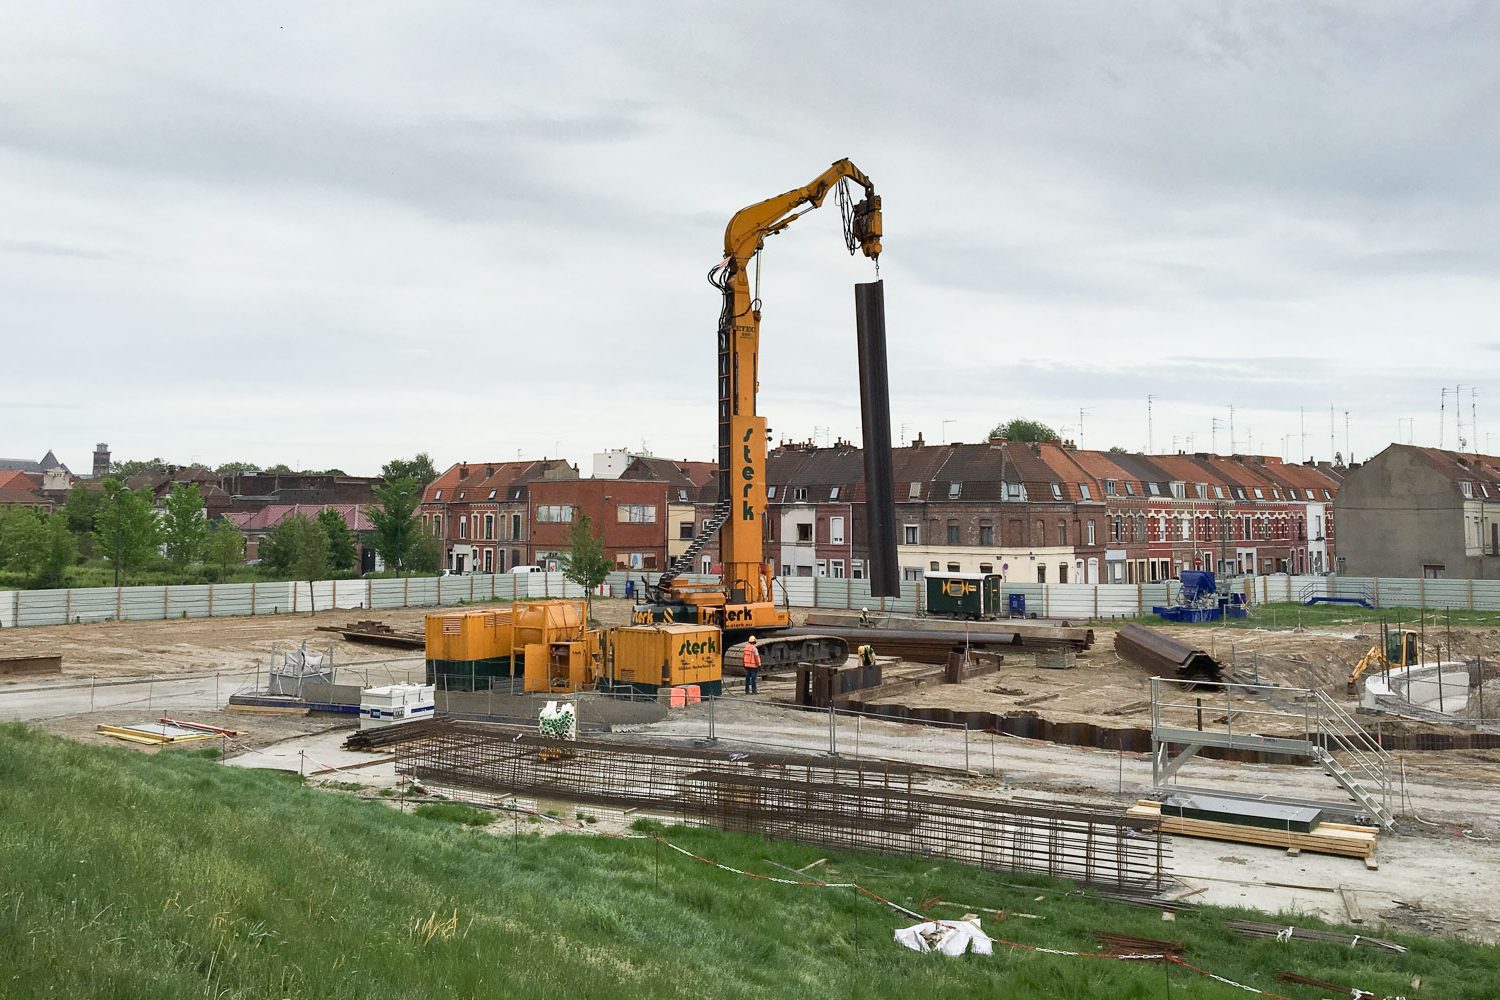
(752, 658)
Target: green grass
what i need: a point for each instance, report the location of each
(455, 812)
(1284, 615)
(168, 876)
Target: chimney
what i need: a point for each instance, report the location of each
(489, 471)
(918, 442)
(101, 460)
(463, 471)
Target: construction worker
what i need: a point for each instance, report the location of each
(864, 617)
(752, 667)
(867, 655)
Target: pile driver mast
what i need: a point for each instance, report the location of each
(745, 599)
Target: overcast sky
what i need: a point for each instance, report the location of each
(326, 234)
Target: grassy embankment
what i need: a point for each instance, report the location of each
(1282, 615)
(128, 875)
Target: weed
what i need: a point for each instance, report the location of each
(454, 812)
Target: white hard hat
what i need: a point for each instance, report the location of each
(751, 639)
(865, 610)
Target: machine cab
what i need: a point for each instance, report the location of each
(1401, 648)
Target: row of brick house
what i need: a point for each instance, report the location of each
(1049, 512)
(1055, 514)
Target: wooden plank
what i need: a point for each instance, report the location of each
(1343, 843)
(1351, 904)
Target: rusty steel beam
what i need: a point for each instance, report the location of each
(1164, 655)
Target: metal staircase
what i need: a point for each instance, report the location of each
(684, 562)
(1367, 778)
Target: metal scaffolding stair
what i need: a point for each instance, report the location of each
(1235, 716)
(684, 562)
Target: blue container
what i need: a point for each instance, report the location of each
(629, 587)
(1017, 604)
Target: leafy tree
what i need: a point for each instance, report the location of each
(419, 468)
(341, 549)
(1024, 431)
(585, 562)
(184, 527)
(281, 467)
(225, 545)
(124, 470)
(1115, 449)
(233, 468)
(425, 554)
(297, 547)
(125, 527)
(397, 526)
(81, 508)
(39, 547)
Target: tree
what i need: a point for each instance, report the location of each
(225, 546)
(298, 547)
(396, 523)
(585, 562)
(184, 527)
(341, 550)
(39, 547)
(124, 470)
(425, 554)
(234, 468)
(1024, 431)
(280, 467)
(81, 507)
(125, 527)
(419, 468)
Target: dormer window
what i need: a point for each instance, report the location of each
(1154, 489)
(1202, 491)
(1179, 490)
(1111, 487)
(954, 489)
(1258, 494)
(833, 494)
(1129, 488)
(1013, 491)
(438, 495)
(1467, 489)
(1219, 492)
(492, 494)
(799, 494)
(914, 491)
(1057, 491)
(1083, 491)
(770, 493)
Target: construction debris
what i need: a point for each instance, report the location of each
(1343, 991)
(1127, 944)
(41, 664)
(155, 733)
(1164, 655)
(377, 633)
(1250, 928)
(950, 937)
(1343, 839)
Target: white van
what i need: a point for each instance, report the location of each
(526, 569)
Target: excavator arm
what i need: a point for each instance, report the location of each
(748, 229)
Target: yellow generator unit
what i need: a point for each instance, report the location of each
(466, 649)
(647, 657)
(563, 667)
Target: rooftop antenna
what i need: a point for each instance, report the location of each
(1149, 439)
(1214, 432)
(1474, 416)
(904, 437)
(1231, 428)
(1458, 416)
(1442, 415)
(1333, 445)
(1081, 412)
(945, 429)
(1302, 417)
(1348, 455)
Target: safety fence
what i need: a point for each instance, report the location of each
(1070, 601)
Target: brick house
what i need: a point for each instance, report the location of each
(480, 512)
(692, 492)
(630, 515)
(257, 524)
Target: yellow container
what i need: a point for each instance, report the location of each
(466, 636)
(668, 655)
(546, 621)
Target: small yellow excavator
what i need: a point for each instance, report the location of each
(1398, 648)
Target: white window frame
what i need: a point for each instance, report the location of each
(836, 531)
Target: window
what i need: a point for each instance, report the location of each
(1467, 489)
(1062, 532)
(857, 568)
(1041, 573)
(438, 495)
(952, 532)
(1111, 487)
(1239, 491)
(492, 494)
(820, 568)
(1219, 492)
(799, 494)
(1326, 495)
(463, 527)
(836, 530)
(1129, 488)
(489, 527)
(489, 560)
(555, 513)
(682, 495)
(1179, 490)
(911, 573)
(986, 567)
(986, 534)
(1118, 529)
(934, 566)
(685, 530)
(460, 494)
(954, 489)
(770, 493)
(437, 525)
(1056, 491)
(1153, 489)
(1275, 493)
(911, 534)
(515, 526)
(636, 513)
(1014, 491)
(833, 494)
(1258, 494)
(804, 532)
(952, 567)
(914, 492)
(1090, 534)
(1062, 572)
(836, 568)
(1202, 491)
(1083, 491)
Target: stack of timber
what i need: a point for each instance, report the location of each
(377, 633)
(390, 737)
(1165, 656)
(1343, 839)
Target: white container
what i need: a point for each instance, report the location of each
(394, 704)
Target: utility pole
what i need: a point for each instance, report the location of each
(1348, 455)
(1150, 444)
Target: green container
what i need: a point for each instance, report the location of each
(964, 595)
(470, 675)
